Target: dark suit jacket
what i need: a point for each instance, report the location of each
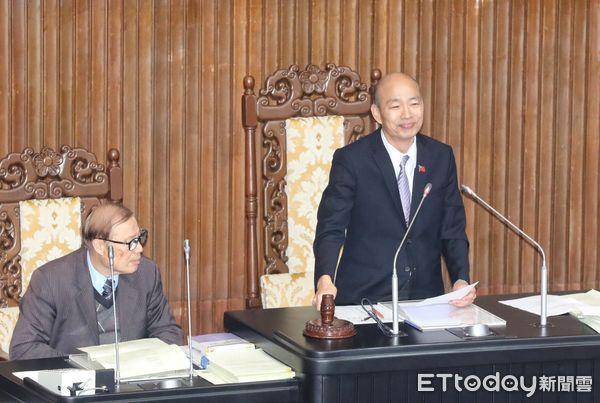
(57, 312)
(361, 210)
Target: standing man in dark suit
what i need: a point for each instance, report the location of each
(362, 209)
(68, 303)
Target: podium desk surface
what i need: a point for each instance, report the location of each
(279, 332)
(14, 389)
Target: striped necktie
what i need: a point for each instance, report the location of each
(404, 188)
(107, 289)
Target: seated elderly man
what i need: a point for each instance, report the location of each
(68, 303)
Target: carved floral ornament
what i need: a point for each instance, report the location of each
(49, 173)
(313, 79)
(7, 235)
(47, 162)
(299, 88)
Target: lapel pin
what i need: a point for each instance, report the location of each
(422, 168)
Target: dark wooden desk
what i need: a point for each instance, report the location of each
(12, 389)
(371, 367)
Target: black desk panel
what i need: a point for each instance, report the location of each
(371, 367)
(13, 389)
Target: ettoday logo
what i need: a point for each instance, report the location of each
(508, 383)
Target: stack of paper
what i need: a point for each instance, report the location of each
(446, 316)
(437, 312)
(357, 314)
(247, 366)
(204, 344)
(588, 304)
(138, 359)
(588, 308)
(556, 304)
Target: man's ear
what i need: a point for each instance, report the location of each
(376, 113)
(99, 246)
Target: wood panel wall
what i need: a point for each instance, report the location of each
(513, 86)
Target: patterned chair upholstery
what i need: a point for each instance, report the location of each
(44, 198)
(303, 117)
(310, 145)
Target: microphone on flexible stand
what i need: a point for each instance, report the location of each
(544, 274)
(111, 264)
(395, 326)
(186, 251)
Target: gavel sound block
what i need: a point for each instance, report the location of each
(327, 326)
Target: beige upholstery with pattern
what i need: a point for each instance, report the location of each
(311, 143)
(50, 228)
(8, 320)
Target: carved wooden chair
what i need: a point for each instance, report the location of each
(44, 198)
(302, 116)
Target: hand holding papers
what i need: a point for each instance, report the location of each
(436, 313)
(429, 314)
(446, 298)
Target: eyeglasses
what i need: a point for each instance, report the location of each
(131, 245)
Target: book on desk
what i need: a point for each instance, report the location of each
(208, 343)
(203, 344)
(230, 359)
(139, 359)
(147, 359)
(247, 365)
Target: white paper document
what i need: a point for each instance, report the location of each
(29, 374)
(442, 316)
(437, 316)
(357, 315)
(138, 359)
(588, 310)
(557, 304)
(589, 303)
(445, 298)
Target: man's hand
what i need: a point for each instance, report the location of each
(324, 286)
(467, 299)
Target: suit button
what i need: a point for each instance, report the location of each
(407, 269)
(408, 240)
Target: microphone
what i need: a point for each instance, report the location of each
(111, 264)
(395, 327)
(186, 251)
(544, 274)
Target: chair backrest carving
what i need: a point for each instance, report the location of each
(289, 93)
(47, 174)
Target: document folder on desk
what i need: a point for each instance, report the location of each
(444, 316)
(139, 359)
(247, 365)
